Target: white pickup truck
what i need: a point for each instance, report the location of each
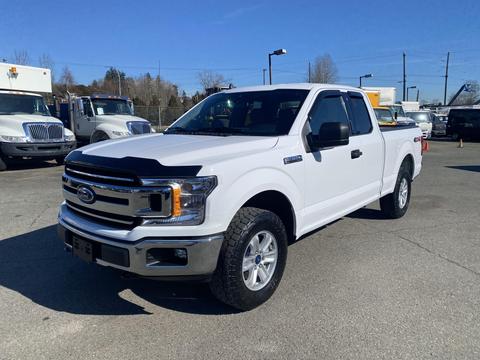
(223, 191)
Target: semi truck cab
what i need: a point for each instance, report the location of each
(101, 117)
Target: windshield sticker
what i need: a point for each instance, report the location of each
(100, 111)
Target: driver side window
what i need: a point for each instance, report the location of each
(330, 108)
(87, 107)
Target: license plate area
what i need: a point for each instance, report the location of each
(82, 248)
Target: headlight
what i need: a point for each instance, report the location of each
(69, 137)
(13, 139)
(121, 133)
(188, 199)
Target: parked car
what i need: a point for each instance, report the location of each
(384, 116)
(463, 124)
(439, 124)
(220, 194)
(423, 120)
(400, 117)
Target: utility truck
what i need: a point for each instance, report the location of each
(101, 117)
(222, 192)
(386, 97)
(27, 129)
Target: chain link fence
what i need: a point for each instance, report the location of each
(159, 116)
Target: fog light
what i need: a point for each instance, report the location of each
(166, 257)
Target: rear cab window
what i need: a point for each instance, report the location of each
(361, 122)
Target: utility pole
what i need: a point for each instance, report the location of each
(263, 71)
(159, 98)
(309, 73)
(404, 78)
(446, 80)
(119, 83)
(418, 94)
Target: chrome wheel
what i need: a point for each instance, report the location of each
(259, 260)
(403, 193)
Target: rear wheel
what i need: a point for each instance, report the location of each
(395, 205)
(252, 259)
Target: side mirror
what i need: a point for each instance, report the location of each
(89, 112)
(331, 134)
(395, 115)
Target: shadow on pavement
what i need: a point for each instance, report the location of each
(14, 165)
(474, 168)
(366, 213)
(35, 265)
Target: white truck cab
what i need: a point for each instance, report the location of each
(27, 129)
(102, 117)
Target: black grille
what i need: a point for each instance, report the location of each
(101, 175)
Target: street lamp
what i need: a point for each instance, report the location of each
(276, 52)
(364, 77)
(410, 87)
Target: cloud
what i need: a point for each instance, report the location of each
(236, 13)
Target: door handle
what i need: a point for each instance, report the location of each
(356, 154)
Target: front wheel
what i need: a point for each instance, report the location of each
(99, 136)
(395, 205)
(252, 259)
(3, 165)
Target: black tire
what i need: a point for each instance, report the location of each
(3, 165)
(60, 160)
(99, 136)
(391, 204)
(228, 284)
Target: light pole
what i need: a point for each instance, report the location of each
(364, 77)
(410, 87)
(276, 52)
(119, 83)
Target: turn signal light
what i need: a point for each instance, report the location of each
(176, 203)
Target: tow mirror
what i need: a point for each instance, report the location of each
(330, 134)
(395, 115)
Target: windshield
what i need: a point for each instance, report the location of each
(11, 104)
(399, 110)
(255, 113)
(111, 107)
(419, 117)
(384, 115)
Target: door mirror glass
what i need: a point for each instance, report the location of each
(330, 134)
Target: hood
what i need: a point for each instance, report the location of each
(12, 124)
(119, 118)
(181, 149)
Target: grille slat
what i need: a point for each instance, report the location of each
(45, 131)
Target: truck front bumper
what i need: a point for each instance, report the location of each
(149, 257)
(37, 150)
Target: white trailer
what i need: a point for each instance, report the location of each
(27, 129)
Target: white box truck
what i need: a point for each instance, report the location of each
(27, 129)
(101, 117)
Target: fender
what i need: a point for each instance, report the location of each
(274, 179)
(390, 179)
(108, 128)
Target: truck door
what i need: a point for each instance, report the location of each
(369, 164)
(85, 120)
(334, 177)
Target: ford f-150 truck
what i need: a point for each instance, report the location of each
(220, 194)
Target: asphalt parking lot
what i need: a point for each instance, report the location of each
(362, 287)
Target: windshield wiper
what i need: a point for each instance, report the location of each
(220, 130)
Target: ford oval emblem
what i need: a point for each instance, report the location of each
(86, 195)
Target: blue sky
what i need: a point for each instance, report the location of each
(234, 37)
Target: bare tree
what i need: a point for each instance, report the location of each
(66, 78)
(209, 79)
(20, 57)
(46, 61)
(324, 70)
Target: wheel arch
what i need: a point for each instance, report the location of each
(278, 203)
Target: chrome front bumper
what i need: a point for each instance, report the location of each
(202, 252)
